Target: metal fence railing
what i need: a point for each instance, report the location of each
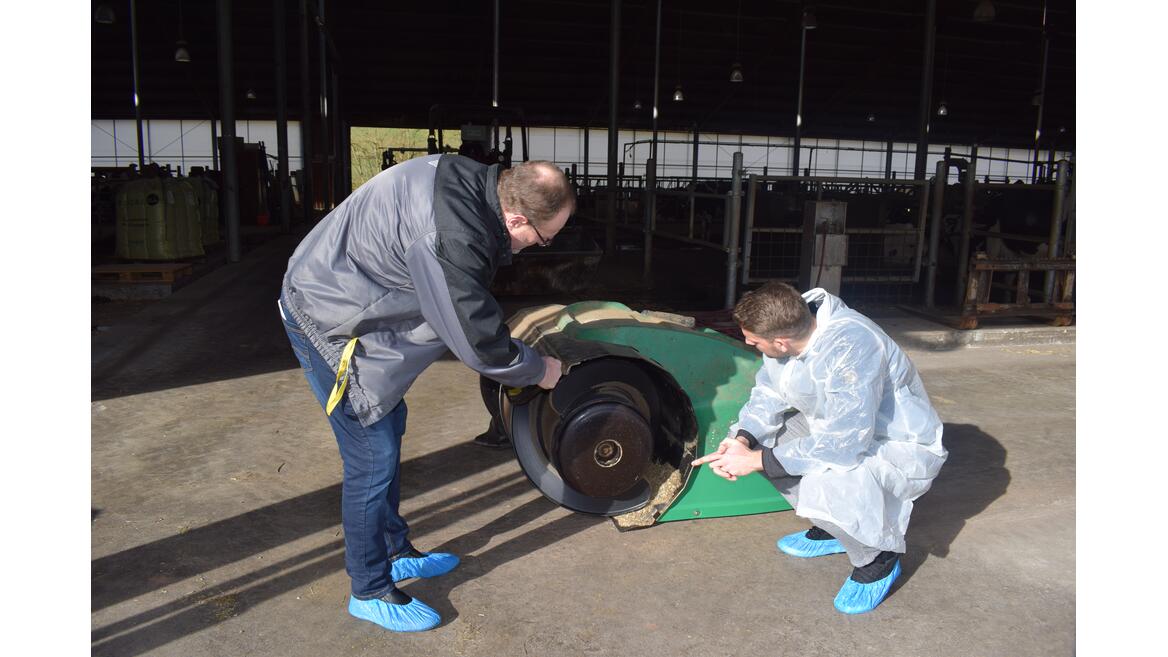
(885, 226)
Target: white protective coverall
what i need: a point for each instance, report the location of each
(875, 440)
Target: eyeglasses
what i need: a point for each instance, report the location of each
(542, 242)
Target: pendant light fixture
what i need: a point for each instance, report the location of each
(103, 15)
(181, 54)
(943, 107)
(736, 68)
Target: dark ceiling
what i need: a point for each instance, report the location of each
(396, 59)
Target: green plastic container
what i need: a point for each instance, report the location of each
(189, 208)
(154, 218)
(208, 193)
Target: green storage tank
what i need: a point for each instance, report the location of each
(211, 212)
(189, 208)
(643, 394)
(208, 208)
(143, 231)
(153, 220)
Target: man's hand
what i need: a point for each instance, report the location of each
(553, 370)
(727, 443)
(732, 459)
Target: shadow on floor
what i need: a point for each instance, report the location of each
(436, 592)
(139, 570)
(973, 477)
(207, 607)
(223, 326)
(153, 567)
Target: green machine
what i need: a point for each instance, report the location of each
(643, 394)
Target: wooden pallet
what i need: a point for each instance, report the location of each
(162, 272)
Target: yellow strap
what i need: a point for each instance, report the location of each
(342, 377)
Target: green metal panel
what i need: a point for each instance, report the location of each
(717, 373)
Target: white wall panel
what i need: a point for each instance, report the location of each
(541, 143)
(850, 162)
(179, 144)
(1019, 169)
(188, 143)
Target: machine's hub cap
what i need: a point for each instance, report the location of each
(608, 453)
(603, 448)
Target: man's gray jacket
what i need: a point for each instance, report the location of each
(404, 264)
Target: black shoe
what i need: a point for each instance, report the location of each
(880, 568)
(817, 534)
(492, 440)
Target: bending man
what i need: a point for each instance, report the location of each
(840, 423)
(393, 277)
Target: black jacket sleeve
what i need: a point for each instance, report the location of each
(451, 274)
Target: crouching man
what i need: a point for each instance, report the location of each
(840, 423)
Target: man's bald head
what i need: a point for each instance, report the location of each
(537, 190)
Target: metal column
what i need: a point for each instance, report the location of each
(586, 185)
(339, 142)
(733, 221)
(495, 78)
(495, 72)
(888, 162)
(137, 104)
(799, 103)
(656, 82)
(326, 138)
(227, 109)
(306, 193)
(1069, 213)
(613, 154)
(693, 182)
(647, 222)
(1041, 105)
(281, 56)
(926, 100)
(748, 232)
(966, 225)
(651, 165)
(1056, 227)
(214, 143)
(935, 233)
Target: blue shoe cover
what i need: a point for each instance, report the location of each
(412, 617)
(427, 565)
(798, 545)
(857, 598)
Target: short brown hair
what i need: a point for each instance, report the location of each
(774, 310)
(537, 190)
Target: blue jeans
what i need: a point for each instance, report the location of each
(371, 488)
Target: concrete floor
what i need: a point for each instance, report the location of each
(216, 527)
